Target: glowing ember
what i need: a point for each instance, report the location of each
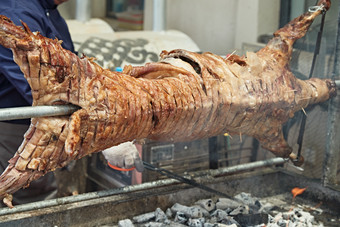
(297, 191)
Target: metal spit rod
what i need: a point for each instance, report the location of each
(36, 111)
(337, 83)
(185, 180)
(47, 111)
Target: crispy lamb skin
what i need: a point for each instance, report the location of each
(185, 96)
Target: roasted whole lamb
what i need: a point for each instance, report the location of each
(185, 96)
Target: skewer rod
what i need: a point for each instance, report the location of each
(337, 84)
(35, 111)
(26, 112)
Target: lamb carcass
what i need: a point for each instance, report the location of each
(185, 96)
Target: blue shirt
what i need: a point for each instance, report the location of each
(39, 15)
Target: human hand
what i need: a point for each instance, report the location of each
(124, 155)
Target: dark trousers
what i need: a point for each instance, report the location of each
(11, 137)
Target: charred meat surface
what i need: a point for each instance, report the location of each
(185, 96)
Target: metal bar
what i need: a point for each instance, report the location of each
(337, 83)
(26, 112)
(244, 167)
(36, 111)
(84, 197)
(133, 188)
(182, 179)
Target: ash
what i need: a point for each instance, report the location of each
(243, 210)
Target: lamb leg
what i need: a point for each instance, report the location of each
(281, 45)
(40, 152)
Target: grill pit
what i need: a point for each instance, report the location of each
(107, 208)
(273, 211)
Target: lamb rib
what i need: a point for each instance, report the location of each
(186, 96)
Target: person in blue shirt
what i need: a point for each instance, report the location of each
(42, 16)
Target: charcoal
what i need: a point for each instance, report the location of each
(168, 213)
(253, 215)
(196, 222)
(190, 212)
(160, 216)
(205, 213)
(178, 207)
(175, 224)
(246, 198)
(207, 204)
(144, 217)
(208, 225)
(212, 220)
(230, 221)
(283, 223)
(299, 216)
(154, 224)
(254, 208)
(242, 209)
(265, 208)
(181, 217)
(125, 223)
(220, 215)
(276, 201)
(228, 210)
(158, 224)
(251, 219)
(225, 203)
(224, 225)
(258, 203)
